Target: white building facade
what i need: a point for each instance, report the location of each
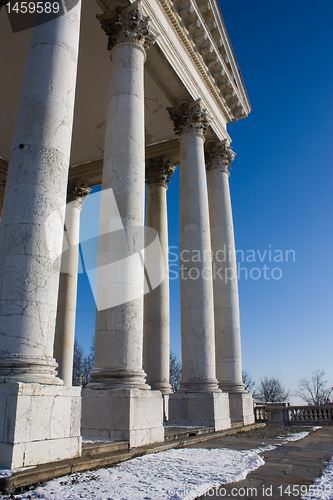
(116, 93)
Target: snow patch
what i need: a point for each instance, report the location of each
(169, 475)
(284, 440)
(323, 486)
(9, 472)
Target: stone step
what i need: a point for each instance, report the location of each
(175, 433)
(95, 447)
(236, 424)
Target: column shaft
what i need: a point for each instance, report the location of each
(34, 206)
(227, 325)
(197, 317)
(196, 287)
(119, 327)
(156, 304)
(66, 313)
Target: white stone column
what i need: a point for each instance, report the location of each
(226, 303)
(66, 313)
(31, 235)
(205, 404)
(35, 189)
(119, 328)
(156, 303)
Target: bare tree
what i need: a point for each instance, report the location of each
(314, 391)
(175, 372)
(82, 365)
(87, 366)
(270, 390)
(248, 381)
(77, 363)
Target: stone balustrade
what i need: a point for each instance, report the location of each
(260, 413)
(285, 414)
(322, 415)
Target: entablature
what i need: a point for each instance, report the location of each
(201, 30)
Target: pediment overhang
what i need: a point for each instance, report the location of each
(200, 25)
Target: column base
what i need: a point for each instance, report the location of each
(28, 370)
(102, 378)
(232, 387)
(132, 415)
(165, 390)
(38, 424)
(209, 409)
(241, 408)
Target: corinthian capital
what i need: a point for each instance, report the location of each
(220, 156)
(189, 117)
(128, 25)
(77, 191)
(159, 171)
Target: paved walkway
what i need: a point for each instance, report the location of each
(286, 468)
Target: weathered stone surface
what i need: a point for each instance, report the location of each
(30, 239)
(33, 211)
(38, 424)
(156, 303)
(197, 309)
(119, 329)
(226, 304)
(39, 419)
(129, 414)
(241, 407)
(200, 409)
(66, 312)
(118, 403)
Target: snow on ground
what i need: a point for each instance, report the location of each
(323, 486)
(9, 472)
(177, 474)
(284, 440)
(297, 436)
(174, 474)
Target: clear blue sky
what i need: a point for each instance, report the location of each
(281, 185)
